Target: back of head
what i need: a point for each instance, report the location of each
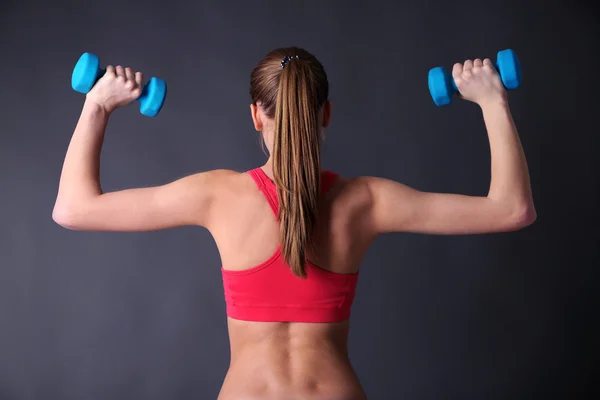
(290, 86)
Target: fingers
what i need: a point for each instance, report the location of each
(133, 80)
(488, 63)
(119, 71)
(465, 70)
(139, 79)
(475, 80)
(457, 70)
(129, 75)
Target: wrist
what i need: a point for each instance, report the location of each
(96, 107)
(496, 102)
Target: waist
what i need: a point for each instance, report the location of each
(335, 382)
(291, 361)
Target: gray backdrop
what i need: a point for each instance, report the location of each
(88, 315)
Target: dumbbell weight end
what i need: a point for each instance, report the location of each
(86, 73)
(441, 86)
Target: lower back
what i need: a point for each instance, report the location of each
(290, 361)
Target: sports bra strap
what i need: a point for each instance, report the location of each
(327, 180)
(266, 186)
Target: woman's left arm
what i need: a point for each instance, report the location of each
(81, 204)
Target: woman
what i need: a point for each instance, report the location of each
(291, 236)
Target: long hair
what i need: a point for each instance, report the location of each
(292, 92)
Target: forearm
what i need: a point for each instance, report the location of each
(510, 176)
(80, 178)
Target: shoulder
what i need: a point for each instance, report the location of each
(218, 178)
(206, 187)
(353, 192)
(216, 174)
(359, 186)
(207, 192)
(223, 184)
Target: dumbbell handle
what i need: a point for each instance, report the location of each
(455, 89)
(140, 98)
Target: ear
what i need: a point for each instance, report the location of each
(326, 113)
(258, 125)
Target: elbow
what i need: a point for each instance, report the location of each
(65, 217)
(522, 216)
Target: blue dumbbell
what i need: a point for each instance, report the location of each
(87, 71)
(442, 86)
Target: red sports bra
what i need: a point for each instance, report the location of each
(269, 292)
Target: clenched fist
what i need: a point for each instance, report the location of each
(478, 81)
(118, 87)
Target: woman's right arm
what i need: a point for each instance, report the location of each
(81, 204)
(508, 205)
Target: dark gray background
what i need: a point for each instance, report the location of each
(87, 315)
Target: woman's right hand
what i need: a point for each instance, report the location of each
(478, 81)
(118, 87)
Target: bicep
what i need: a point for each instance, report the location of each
(400, 208)
(186, 201)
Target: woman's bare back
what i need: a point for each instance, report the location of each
(289, 360)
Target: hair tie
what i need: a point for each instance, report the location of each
(286, 59)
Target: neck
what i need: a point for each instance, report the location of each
(268, 168)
